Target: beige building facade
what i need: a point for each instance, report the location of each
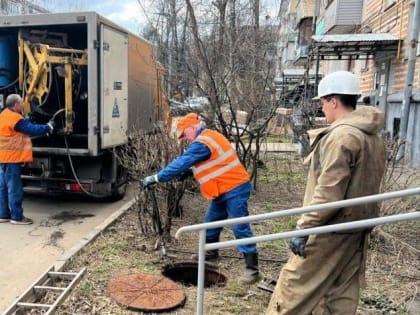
(371, 38)
(394, 18)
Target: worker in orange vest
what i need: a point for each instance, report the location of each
(15, 149)
(223, 180)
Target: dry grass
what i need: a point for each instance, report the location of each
(392, 271)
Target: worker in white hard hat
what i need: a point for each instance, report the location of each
(347, 160)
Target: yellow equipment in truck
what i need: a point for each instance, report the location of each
(97, 81)
(35, 66)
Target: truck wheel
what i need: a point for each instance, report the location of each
(120, 187)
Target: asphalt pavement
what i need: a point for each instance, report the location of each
(61, 224)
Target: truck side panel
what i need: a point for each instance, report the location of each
(93, 113)
(142, 83)
(114, 89)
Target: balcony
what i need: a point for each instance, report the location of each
(341, 17)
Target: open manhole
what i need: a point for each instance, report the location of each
(187, 274)
(145, 292)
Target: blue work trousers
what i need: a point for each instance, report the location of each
(233, 204)
(11, 191)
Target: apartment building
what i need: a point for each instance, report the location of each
(15, 7)
(371, 38)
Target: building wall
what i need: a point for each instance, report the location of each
(304, 9)
(393, 118)
(380, 18)
(395, 20)
(17, 7)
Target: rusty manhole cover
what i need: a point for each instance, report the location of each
(145, 292)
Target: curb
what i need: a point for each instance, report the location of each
(62, 261)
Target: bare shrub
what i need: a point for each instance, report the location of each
(146, 154)
(399, 176)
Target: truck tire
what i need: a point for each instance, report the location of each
(120, 187)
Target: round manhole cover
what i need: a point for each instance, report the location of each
(140, 291)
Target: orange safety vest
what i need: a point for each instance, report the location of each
(223, 171)
(15, 147)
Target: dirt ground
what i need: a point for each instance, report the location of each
(392, 271)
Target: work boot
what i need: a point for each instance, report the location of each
(24, 221)
(251, 274)
(211, 255)
(4, 220)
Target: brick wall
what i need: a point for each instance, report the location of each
(378, 18)
(393, 19)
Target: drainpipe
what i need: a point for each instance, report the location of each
(315, 16)
(315, 21)
(408, 91)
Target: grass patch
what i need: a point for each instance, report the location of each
(392, 268)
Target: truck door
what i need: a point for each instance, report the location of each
(113, 86)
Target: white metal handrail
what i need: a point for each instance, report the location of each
(201, 228)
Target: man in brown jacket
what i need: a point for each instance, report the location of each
(347, 160)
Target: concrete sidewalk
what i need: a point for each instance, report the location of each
(30, 250)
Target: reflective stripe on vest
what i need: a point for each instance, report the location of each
(220, 159)
(23, 143)
(223, 155)
(219, 172)
(213, 143)
(223, 171)
(15, 147)
(211, 163)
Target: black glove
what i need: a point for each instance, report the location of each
(51, 125)
(185, 175)
(297, 245)
(149, 180)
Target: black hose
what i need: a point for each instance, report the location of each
(156, 214)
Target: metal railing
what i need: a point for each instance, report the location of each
(201, 228)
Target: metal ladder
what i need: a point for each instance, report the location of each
(41, 287)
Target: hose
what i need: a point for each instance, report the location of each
(53, 117)
(57, 112)
(69, 156)
(75, 175)
(9, 85)
(156, 219)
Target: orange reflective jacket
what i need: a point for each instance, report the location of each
(15, 147)
(223, 171)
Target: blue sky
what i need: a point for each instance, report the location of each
(127, 13)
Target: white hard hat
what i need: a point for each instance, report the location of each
(340, 82)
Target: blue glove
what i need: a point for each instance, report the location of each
(150, 180)
(297, 245)
(51, 125)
